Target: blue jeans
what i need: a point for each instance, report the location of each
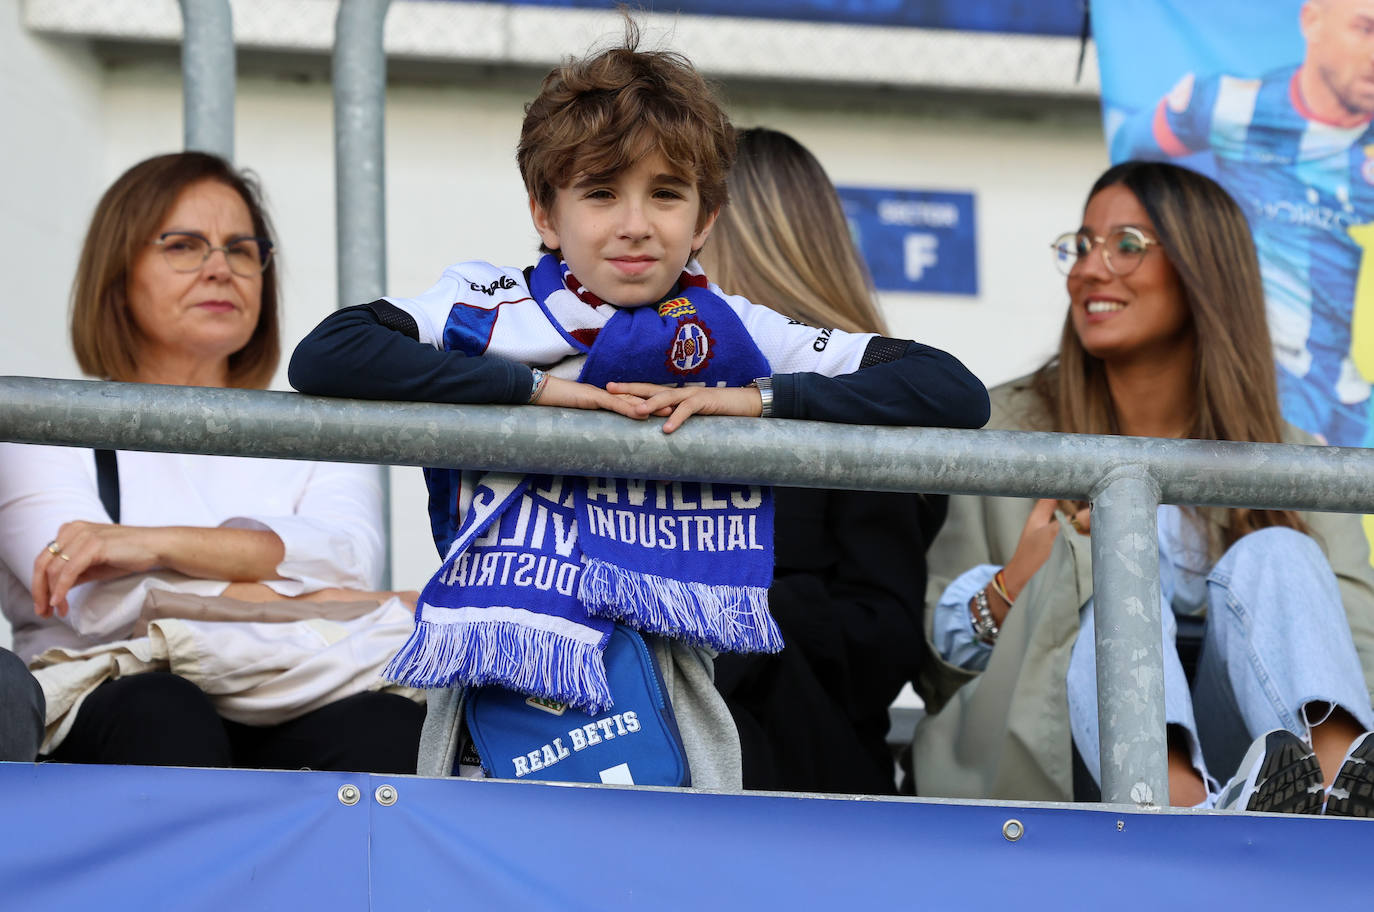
(1276, 640)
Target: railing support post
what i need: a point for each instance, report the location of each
(1130, 657)
(359, 73)
(208, 75)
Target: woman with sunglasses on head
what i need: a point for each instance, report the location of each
(1165, 337)
(177, 285)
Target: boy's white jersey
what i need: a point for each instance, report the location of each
(477, 308)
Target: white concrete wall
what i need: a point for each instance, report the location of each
(50, 159)
(453, 193)
(1028, 180)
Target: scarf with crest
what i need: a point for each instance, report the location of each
(541, 567)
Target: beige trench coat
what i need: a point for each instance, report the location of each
(1004, 733)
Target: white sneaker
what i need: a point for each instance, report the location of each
(1279, 774)
(1352, 791)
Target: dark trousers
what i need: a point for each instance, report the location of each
(22, 710)
(160, 719)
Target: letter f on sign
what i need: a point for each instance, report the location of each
(920, 251)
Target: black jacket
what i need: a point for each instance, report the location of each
(847, 592)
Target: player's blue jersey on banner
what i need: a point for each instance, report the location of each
(1303, 183)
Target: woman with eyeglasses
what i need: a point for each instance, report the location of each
(177, 284)
(1165, 336)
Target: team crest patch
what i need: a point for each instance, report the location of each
(677, 307)
(691, 349)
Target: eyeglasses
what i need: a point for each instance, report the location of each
(1122, 249)
(187, 252)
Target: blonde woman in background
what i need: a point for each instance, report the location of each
(849, 564)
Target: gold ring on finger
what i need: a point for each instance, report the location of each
(54, 548)
(1077, 526)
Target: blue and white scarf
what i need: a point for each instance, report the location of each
(542, 566)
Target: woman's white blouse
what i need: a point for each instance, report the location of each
(328, 516)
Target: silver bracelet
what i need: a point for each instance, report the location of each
(765, 387)
(984, 627)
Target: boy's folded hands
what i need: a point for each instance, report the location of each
(572, 394)
(678, 403)
(642, 400)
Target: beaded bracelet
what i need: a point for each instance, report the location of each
(984, 627)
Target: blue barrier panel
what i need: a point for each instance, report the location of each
(509, 845)
(149, 838)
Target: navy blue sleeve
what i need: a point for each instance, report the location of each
(373, 351)
(915, 386)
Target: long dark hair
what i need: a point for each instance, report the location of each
(1207, 240)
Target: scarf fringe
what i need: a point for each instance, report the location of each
(511, 655)
(726, 618)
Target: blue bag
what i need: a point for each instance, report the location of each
(636, 742)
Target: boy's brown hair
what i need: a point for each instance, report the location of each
(600, 114)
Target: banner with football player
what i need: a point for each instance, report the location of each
(1274, 100)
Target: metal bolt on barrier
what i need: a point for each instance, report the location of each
(349, 795)
(1013, 830)
(385, 795)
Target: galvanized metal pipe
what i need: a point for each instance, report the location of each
(1130, 655)
(1126, 478)
(800, 453)
(359, 77)
(208, 76)
(359, 74)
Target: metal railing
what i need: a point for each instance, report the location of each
(359, 80)
(209, 76)
(1126, 478)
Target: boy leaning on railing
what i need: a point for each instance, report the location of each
(559, 588)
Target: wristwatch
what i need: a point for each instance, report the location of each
(765, 387)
